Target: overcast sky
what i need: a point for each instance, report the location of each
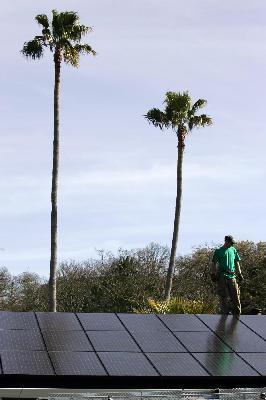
(117, 181)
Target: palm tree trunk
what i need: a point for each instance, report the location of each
(170, 272)
(53, 260)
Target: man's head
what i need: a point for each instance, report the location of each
(228, 240)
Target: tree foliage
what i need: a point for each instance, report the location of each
(179, 112)
(62, 33)
(127, 281)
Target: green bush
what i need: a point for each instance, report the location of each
(178, 305)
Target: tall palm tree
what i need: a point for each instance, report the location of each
(62, 36)
(180, 116)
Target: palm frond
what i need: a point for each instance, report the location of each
(34, 48)
(56, 25)
(198, 121)
(180, 102)
(46, 32)
(157, 118)
(84, 48)
(42, 19)
(206, 120)
(71, 56)
(68, 18)
(63, 23)
(71, 53)
(197, 105)
(177, 108)
(78, 31)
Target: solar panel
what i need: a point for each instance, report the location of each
(26, 363)
(244, 340)
(202, 342)
(220, 322)
(255, 322)
(76, 363)
(176, 364)
(234, 333)
(67, 340)
(17, 320)
(58, 321)
(182, 322)
(256, 360)
(100, 322)
(158, 341)
(112, 341)
(21, 340)
(225, 364)
(142, 322)
(131, 349)
(127, 364)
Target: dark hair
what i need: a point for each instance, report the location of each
(229, 239)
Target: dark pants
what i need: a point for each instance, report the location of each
(229, 289)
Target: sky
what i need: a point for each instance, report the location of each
(117, 178)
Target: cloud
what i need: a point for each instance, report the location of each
(231, 170)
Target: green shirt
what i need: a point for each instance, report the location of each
(226, 258)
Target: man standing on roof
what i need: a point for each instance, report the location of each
(225, 264)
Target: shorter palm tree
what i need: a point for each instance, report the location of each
(180, 116)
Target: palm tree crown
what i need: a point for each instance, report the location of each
(179, 114)
(62, 35)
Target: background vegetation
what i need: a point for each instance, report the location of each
(127, 281)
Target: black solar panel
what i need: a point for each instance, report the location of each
(58, 321)
(255, 322)
(220, 322)
(183, 322)
(112, 341)
(206, 342)
(225, 364)
(257, 361)
(127, 364)
(176, 364)
(18, 320)
(26, 363)
(158, 341)
(142, 322)
(21, 340)
(131, 350)
(76, 363)
(244, 340)
(234, 333)
(67, 341)
(100, 322)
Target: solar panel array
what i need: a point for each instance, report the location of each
(108, 345)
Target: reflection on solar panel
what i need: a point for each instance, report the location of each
(66, 341)
(131, 350)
